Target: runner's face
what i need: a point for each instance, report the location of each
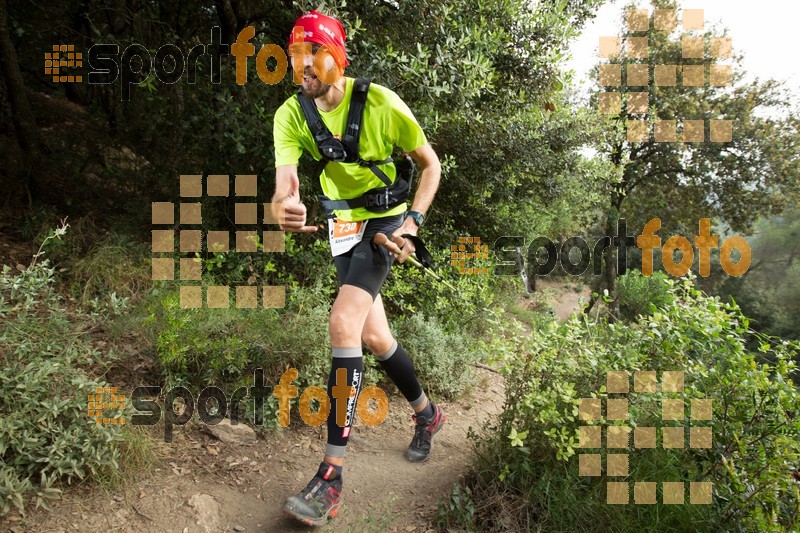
(312, 86)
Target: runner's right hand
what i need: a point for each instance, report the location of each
(291, 211)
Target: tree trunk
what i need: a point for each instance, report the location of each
(228, 20)
(608, 279)
(609, 276)
(21, 114)
(610, 266)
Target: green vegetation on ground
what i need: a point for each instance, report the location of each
(526, 470)
(48, 368)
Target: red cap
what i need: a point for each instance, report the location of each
(323, 30)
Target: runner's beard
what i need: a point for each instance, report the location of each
(313, 87)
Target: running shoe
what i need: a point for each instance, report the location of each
(320, 500)
(420, 448)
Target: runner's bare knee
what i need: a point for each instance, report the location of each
(342, 328)
(348, 315)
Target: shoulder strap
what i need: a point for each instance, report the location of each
(355, 116)
(352, 134)
(313, 119)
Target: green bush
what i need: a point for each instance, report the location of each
(206, 346)
(306, 260)
(526, 475)
(222, 347)
(197, 346)
(114, 264)
(45, 434)
(92, 262)
(443, 360)
(641, 295)
(472, 307)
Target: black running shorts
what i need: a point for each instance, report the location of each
(366, 265)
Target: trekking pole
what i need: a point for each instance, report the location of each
(382, 240)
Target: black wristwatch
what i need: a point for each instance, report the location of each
(418, 217)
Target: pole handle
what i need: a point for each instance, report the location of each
(382, 240)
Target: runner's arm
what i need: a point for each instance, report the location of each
(430, 174)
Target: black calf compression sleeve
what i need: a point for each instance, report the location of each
(400, 369)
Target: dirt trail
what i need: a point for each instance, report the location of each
(382, 490)
(564, 296)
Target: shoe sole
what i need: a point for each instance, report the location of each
(435, 431)
(308, 520)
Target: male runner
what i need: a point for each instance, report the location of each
(357, 314)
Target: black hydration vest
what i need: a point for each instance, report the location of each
(380, 199)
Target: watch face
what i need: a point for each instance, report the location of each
(418, 218)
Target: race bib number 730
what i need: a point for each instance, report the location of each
(345, 235)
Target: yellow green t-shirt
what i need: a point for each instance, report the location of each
(387, 122)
